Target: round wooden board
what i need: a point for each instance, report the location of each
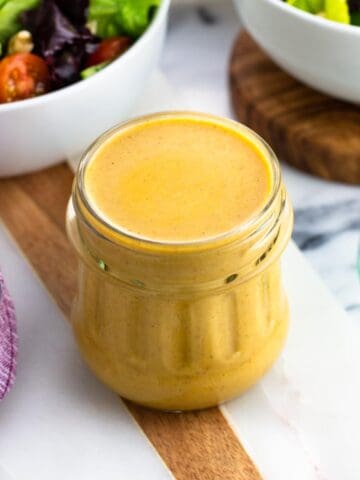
(309, 130)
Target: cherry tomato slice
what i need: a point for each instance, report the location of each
(108, 50)
(23, 75)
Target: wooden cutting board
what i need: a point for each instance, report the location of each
(311, 131)
(195, 446)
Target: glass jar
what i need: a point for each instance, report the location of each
(180, 326)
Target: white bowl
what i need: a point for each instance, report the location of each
(40, 132)
(321, 53)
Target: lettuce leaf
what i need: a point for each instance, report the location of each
(117, 17)
(10, 11)
(354, 6)
(102, 14)
(311, 6)
(64, 46)
(317, 5)
(90, 71)
(135, 15)
(337, 10)
(355, 19)
(74, 10)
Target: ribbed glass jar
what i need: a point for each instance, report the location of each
(179, 326)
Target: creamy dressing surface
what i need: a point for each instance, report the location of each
(178, 179)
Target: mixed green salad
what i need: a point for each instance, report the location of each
(343, 11)
(49, 44)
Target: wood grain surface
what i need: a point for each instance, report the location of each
(311, 131)
(195, 445)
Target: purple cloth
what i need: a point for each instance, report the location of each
(8, 340)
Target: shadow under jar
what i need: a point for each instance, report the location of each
(180, 324)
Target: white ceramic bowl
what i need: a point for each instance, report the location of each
(321, 53)
(40, 132)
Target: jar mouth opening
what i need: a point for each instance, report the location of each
(127, 236)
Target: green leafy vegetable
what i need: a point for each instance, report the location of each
(135, 15)
(337, 10)
(317, 5)
(355, 18)
(117, 17)
(102, 17)
(311, 6)
(90, 71)
(9, 16)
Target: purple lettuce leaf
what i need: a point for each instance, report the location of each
(74, 10)
(63, 45)
(8, 341)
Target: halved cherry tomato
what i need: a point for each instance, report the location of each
(108, 50)
(23, 75)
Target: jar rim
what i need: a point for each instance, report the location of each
(128, 236)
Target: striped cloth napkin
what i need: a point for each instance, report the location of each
(8, 340)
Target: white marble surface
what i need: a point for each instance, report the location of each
(59, 421)
(327, 226)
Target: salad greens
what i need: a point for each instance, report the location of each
(9, 17)
(338, 11)
(74, 10)
(56, 39)
(311, 6)
(90, 71)
(354, 6)
(58, 42)
(116, 17)
(135, 16)
(342, 11)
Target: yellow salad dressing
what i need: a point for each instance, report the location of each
(178, 180)
(179, 220)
